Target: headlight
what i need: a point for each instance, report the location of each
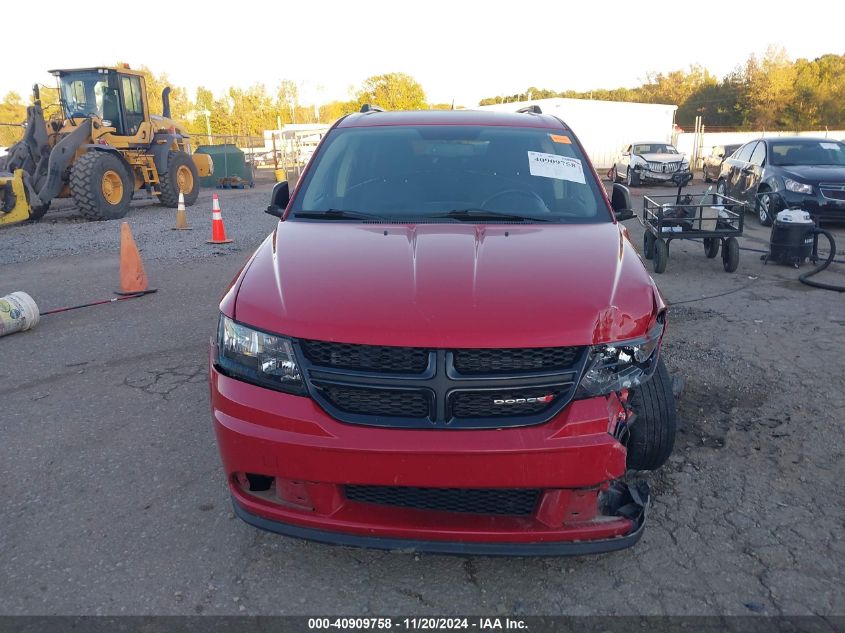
(266, 360)
(617, 366)
(797, 187)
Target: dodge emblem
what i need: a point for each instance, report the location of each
(541, 399)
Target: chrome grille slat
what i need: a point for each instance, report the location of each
(658, 167)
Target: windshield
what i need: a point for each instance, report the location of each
(411, 173)
(82, 93)
(807, 153)
(654, 148)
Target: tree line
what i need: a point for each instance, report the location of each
(767, 92)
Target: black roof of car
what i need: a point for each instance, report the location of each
(453, 117)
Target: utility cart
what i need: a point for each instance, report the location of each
(715, 219)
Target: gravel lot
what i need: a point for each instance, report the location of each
(112, 499)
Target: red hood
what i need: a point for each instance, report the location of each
(448, 285)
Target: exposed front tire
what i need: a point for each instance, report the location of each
(652, 434)
(101, 186)
(765, 208)
(181, 175)
(632, 179)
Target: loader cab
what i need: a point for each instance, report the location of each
(117, 96)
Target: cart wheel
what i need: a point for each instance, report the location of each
(661, 255)
(730, 254)
(711, 247)
(648, 245)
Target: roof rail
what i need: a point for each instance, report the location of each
(532, 109)
(371, 108)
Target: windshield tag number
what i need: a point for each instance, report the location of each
(557, 167)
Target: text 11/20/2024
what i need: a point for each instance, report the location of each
(417, 624)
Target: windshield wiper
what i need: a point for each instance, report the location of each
(485, 214)
(339, 214)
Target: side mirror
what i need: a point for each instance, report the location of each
(620, 201)
(279, 199)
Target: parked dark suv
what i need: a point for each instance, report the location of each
(447, 343)
(776, 173)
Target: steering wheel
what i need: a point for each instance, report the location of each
(539, 203)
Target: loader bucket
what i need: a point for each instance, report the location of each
(14, 206)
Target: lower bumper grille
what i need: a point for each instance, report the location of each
(833, 191)
(504, 501)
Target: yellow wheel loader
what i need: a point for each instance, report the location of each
(101, 148)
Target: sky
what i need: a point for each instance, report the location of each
(459, 49)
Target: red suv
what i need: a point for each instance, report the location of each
(447, 344)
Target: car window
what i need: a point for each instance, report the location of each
(410, 173)
(744, 153)
(758, 155)
(654, 148)
(807, 152)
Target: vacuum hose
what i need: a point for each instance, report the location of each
(805, 278)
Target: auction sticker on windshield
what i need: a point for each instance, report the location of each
(554, 166)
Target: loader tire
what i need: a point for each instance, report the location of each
(652, 434)
(101, 186)
(181, 175)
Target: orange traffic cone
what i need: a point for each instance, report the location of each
(181, 219)
(218, 230)
(133, 278)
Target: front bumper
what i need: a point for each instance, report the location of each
(647, 175)
(573, 460)
(817, 205)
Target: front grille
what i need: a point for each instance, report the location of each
(504, 501)
(499, 404)
(398, 360)
(506, 361)
(664, 167)
(833, 191)
(383, 402)
(419, 387)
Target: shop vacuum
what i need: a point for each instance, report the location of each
(794, 239)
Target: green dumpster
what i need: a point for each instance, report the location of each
(229, 162)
